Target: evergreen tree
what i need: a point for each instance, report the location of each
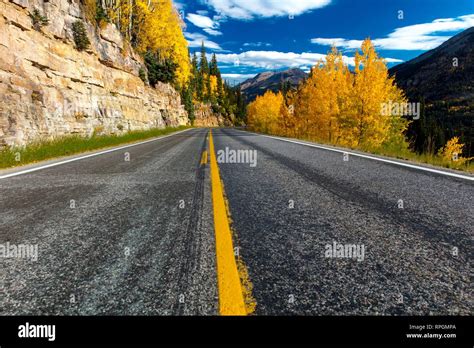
(160, 70)
(193, 81)
(208, 86)
(80, 35)
(202, 74)
(194, 65)
(208, 89)
(241, 106)
(220, 89)
(204, 65)
(187, 100)
(213, 68)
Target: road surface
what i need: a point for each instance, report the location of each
(131, 232)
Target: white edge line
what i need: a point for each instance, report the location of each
(371, 157)
(26, 171)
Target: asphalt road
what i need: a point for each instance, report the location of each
(127, 245)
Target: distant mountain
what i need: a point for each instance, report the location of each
(434, 75)
(273, 81)
(443, 80)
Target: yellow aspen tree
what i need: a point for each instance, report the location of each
(287, 120)
(322, 98)
(372, 88)
(263, 114)
(213, 85)
(452, 152)
(155, 25)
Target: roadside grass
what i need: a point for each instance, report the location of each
(70, 145)
(424, 158)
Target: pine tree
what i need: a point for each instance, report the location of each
(187, 100)
(194, 65)
(220, 90)
(213, 68)
(202, 74)
(160, 70)
(241, 107)
(80, 35)
(203, 65)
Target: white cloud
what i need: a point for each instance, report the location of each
(413, 37)
(200, 21)
(213, 32)
(271, 60)
(196, 40)
(257, 44)
(209, 25)
(237, 78)
(250, 9)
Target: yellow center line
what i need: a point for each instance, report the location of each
(204, 158)
(231, 298)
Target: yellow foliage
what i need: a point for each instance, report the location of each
(322, 98)
(90, 9)
(213, 80)
(335, 105)
(372, 87)
(153, 25)
(452, 152)
(287, 123)
(263, 114)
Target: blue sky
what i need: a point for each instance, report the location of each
(251, 36)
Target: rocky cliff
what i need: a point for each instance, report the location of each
(205, 117)
(48, 88)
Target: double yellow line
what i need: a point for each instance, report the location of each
(231, 297)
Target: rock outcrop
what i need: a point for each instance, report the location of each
(205, 117)
(49, 89)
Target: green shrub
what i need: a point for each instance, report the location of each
(160, 70)
(142, 74)
(100, 14)
(80, 35)
(38, 20)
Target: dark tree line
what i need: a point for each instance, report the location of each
(207, 86)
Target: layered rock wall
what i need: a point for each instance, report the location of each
(205, 117)
(48, 88)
